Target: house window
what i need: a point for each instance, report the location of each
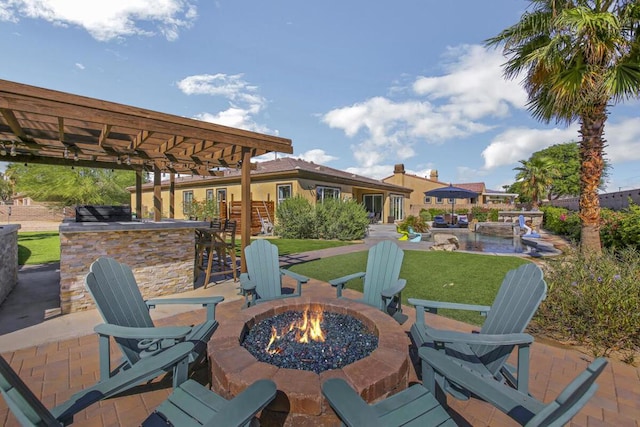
(187, 199)
(222, 195)
(284, 192)
(323, 193)
(209, 194)
(452, 201)
(427, 200)
(439, 200)
(397, 207)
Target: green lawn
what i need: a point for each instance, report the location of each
(38, 247)
(441, 276)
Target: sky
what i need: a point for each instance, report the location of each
(356, 85)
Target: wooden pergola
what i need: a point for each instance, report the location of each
(44, 126)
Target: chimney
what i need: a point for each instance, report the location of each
(399, 168)
(433, 175)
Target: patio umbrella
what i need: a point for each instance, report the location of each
(452, 193)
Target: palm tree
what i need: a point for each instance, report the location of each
(579, 56)
(536, 176)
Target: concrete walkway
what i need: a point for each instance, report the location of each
(59, 356)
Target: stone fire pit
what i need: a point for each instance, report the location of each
(299, 400)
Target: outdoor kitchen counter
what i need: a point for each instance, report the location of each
(161, 255)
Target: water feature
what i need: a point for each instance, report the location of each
(476, 242)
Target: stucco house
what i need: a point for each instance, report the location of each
(275, 180)
(418, 201)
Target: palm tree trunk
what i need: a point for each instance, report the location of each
(591, 168)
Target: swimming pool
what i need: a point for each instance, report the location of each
(476, 242)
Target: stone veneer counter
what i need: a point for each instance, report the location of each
(161, 255)
(8, 259)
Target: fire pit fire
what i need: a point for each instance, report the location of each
(311, 340)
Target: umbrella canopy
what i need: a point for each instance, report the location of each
(452, 193)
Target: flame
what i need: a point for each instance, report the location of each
(305, 330)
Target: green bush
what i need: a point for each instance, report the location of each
(296, 219)
(331, 219)
(341, 220)
(483, 214)
(415, 222)
(425, 215)
(436, 211)
(202, 210)
(593, 300)
(561, 221)
(630, 227)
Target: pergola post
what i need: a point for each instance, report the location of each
(172, 195)
(245, 207)
(139, 173)
(157, 194)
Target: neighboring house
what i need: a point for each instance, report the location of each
(418, 201)
(277, 180)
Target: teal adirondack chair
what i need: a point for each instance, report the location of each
(263, 279)
(192, 405)
(29, 411)
(126, 315)
(189, 405)
(382, 285)
(486, 352)
(414, 406)
(523, 408)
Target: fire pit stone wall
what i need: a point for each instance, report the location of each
(299, 400)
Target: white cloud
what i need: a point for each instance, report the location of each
(232, 87)
(317, 156)
(80, 66)
(375, 172)
(519, 143)
(245, 101)
(623, 140)
(455, 105)
(235, 117)
(107, 19)
(473, 87)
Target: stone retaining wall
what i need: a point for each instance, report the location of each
(8, 259)
(162, 261)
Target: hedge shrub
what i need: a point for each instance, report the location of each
(593, 300)
(337, 219)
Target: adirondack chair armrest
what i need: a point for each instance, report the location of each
(245, 283)
(440, 336)
(157, 333)
(208, 302)
(200, 300)
(519, 406)
(433, 306)
(349, 406)
(395, 289)
(146, 369)
(340, 281)
(242, 408)
(299, 277)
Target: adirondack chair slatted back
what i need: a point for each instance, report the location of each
(517, 300)
(383, 270)
(571, 399)
(24, 405)
(116, 293)
(263, 266)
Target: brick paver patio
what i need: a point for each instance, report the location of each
(56, 370)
